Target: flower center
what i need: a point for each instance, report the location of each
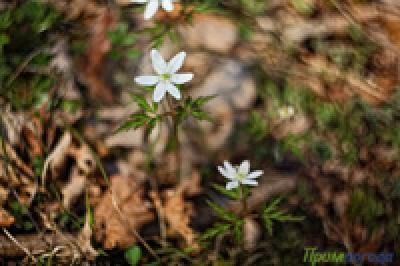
(165, 76)
(240, 175)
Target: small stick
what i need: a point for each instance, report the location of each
(19, 245)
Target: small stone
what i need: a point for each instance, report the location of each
(210, 32)
(127, 139)
(198, 64)
(231, 82)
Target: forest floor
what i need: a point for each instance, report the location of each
(306, 90)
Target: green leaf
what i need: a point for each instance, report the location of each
(133, 255)
(120, 35)
(141, 101)
(181, 114)
(214, 231)
(238, 231)
(233, 194)
(257, 126)
(272, 205)
(133, 53)
(27, 225)
(139, 117)
(222, 213)
(5, 20)
(201, 115)
(271, 213)
(155, 107)
(158, 42)
(4, 39)
(131, 124)
(203, 99)
(129, 39)
(152, 125)
(114, 54)
(303, 7)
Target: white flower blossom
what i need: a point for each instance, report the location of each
(166, 76)
(239, 174)
(153, 5)
(285, 112)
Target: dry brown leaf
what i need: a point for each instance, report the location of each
(92, 64)
(6, 219)
(15, 159)
(75, 9)
(121, 212)
(78, 177)
(177, 211)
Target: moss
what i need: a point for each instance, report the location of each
(365, 207)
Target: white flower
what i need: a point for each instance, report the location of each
(166, 76)
(152, 6)
(285, 112)
(239, 174)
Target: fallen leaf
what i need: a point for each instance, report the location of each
(121, 212)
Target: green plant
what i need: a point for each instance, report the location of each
(133, 255)
(271, 213)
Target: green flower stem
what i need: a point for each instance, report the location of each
(243, 200)
(154, 187)
(175, 132)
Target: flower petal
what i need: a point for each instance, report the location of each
(159, 91)
(147, 80)
(176, 63)
(174, 91)
(254, 174)
(167, 5)
(244, 167)
(250, 182)
(231, 185)
(181, 78)
(151, 9)
(229, 168)
(159, 64)
(225, 173)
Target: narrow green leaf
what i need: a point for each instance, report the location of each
(141, 101)
(139, 117)
(201, 115)
(203, 99)
(131, 124)
(233, 194)
(222, 213)
(214, 231)
(237, 231)
(271, 213)
(133, 255)
(151, 125)
(133, 53)
(155, 107)
(129, 39)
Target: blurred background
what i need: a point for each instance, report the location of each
(307, 90)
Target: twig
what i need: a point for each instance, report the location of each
(19, 245)
(23, 65)
(134, 231)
